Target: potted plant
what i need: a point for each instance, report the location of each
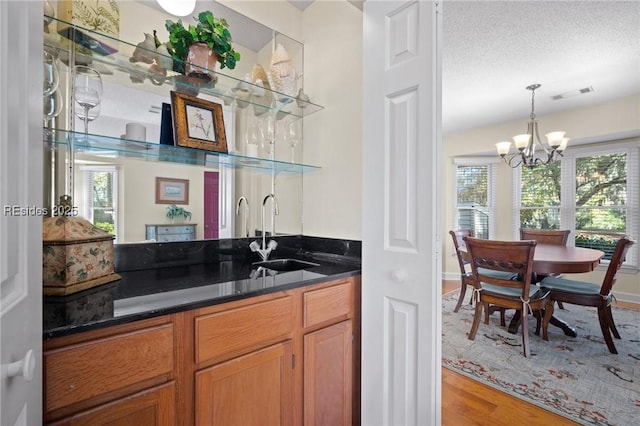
(177, 213)
(201, 45)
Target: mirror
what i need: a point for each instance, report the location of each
(123, 191)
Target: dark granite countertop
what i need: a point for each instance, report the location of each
(147, 293)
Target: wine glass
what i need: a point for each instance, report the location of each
(87, 90)
(51, 107)
(269, 131)
(253, 137)
(51, 78)
(92, 113)
(292, 136)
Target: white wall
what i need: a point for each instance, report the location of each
(622, 115)
(332, 204)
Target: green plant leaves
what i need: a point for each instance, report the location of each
(210, 30)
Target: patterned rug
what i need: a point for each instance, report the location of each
(574, 377)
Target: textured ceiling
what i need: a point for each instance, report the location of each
(493, 50)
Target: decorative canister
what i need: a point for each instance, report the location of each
(76, 255)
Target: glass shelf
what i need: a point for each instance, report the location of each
(115, 56)
(110, 147)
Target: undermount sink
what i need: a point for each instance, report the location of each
(285, 264)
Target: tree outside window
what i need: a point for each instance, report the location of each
(598, 188)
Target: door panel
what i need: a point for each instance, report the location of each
(254, 389)
(328, 376)
(21, 218)
(401, 227)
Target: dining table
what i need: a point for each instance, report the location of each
(555, 259)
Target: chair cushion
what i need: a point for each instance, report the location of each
(497, 274)
(508, 291)
(570, 286)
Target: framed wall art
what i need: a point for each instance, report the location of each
(198, 123)
(172, 191)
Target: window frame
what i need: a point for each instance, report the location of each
(87, 210)
(631, 148)
(492, 171)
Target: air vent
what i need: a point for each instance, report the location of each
(155, 109)
(572, 93)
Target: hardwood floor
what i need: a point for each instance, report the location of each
(468, 402)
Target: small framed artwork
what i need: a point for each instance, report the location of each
(198, 123)
(172, 191)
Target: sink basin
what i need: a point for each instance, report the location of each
(285, 264)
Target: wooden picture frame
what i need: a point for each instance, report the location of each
(198, 123)
(172, 191)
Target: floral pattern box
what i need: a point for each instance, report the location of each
(76, 255)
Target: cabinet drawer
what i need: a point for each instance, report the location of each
(174, 237)
(326, 304)
(153, 407)
(186, 229)
(222, 335)
(83, 371)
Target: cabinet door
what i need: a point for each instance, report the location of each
(328, 375)
(254, 389)
(152, 407)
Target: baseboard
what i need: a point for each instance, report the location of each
(627, 297)
(451, 276)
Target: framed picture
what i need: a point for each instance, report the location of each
(172, 191)
(198, 123)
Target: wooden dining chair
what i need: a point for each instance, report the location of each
(558, 237)
(546, 236)
(514, 257)
(593, 295)
(466, 279)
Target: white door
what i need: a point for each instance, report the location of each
(20, 224)
(401, 272)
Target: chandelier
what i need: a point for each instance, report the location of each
(527, 143)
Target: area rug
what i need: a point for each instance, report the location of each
(576, 378)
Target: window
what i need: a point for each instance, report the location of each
(474, 203)
(100, 206)
(592, 192)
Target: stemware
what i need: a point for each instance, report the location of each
(292, 137)
(51, 78)
(269, 132)
(87, 90)
(51, 108)
(253, 137)
(92, 113)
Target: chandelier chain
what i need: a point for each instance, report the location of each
(533, 114)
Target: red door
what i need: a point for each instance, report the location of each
(211, 189)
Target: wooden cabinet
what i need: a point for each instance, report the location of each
(328, 354)
(155, 406)
(173, 232)
(328, 375)
(284, 358)
(105, 370)
(254, 389)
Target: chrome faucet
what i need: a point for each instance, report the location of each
(265, 249)
(246, 213)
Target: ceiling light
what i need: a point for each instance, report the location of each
(527, 143)
(178, 7)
